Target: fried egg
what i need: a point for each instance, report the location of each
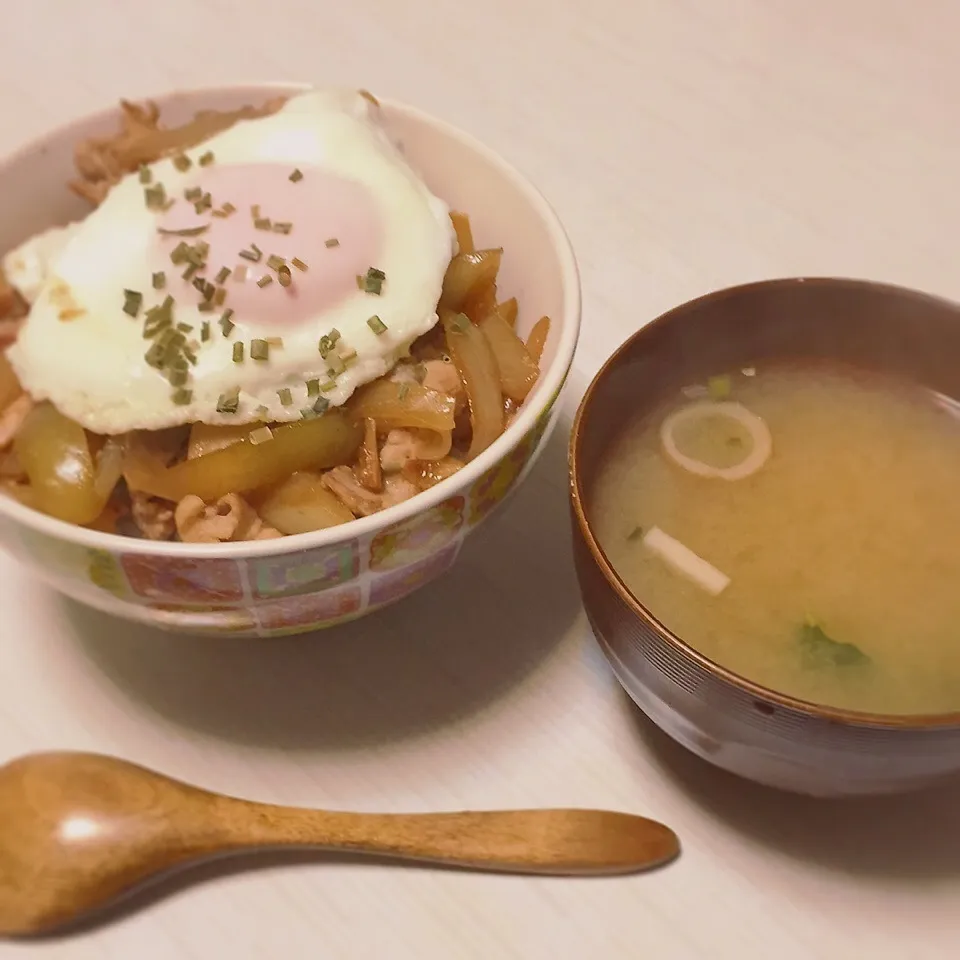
(265, 274)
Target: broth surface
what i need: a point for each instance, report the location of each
(842, 550)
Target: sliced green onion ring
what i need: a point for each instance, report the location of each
(755, 426)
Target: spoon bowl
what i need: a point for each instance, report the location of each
(80, 830)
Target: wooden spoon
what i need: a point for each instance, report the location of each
(77, 830)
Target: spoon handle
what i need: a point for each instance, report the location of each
(558, 842)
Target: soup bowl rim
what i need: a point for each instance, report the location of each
(638, 610)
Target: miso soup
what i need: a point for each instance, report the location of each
(801, 527)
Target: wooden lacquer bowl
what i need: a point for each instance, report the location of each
(741, 726)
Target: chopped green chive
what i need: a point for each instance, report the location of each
(259, 350)
(229, 402)
(146, 174)
(206, 306)
(262, 223)
(238, 352)
(265, 280)
(286, 397)
(283, 226)
(181, 396)
(156, 321)
(192, 193)
(155, 196)
(185, 232)
(132, 301)
(261, 434)
(177, 376)
(184, 327)
(206, 159)
(328, 342)
(347, 355)
(178, 254)
(192, 268)
(719, 388)
(377, 325)
(335, 365)
(274, 262)
(403, 391)
(372, 281)
(154, 356)
(313, 388)
(205, 331)
(161, 315)
(159, 280)
(296, 176)
(253, 254)
(321, 405)
(328, 385)
(284, 276)
(332, 242)
(165, 336)
(299, 264)
(219, 297)
(182, 162)
(262, 412)
(222, 274)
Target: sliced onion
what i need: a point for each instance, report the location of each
(755, 426)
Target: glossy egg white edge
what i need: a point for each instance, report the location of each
(93, 369)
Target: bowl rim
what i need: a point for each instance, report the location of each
(823, 712)
(549, 385)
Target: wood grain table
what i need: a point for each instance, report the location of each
(687, 144)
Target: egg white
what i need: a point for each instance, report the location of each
(92, 367)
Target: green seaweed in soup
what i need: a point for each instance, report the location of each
(818, 651)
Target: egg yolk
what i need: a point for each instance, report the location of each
(325, 228)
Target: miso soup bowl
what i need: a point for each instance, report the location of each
(724, 718)
(304, 582)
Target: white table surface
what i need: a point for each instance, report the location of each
(687, 144)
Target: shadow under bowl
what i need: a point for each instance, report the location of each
(725, 718)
